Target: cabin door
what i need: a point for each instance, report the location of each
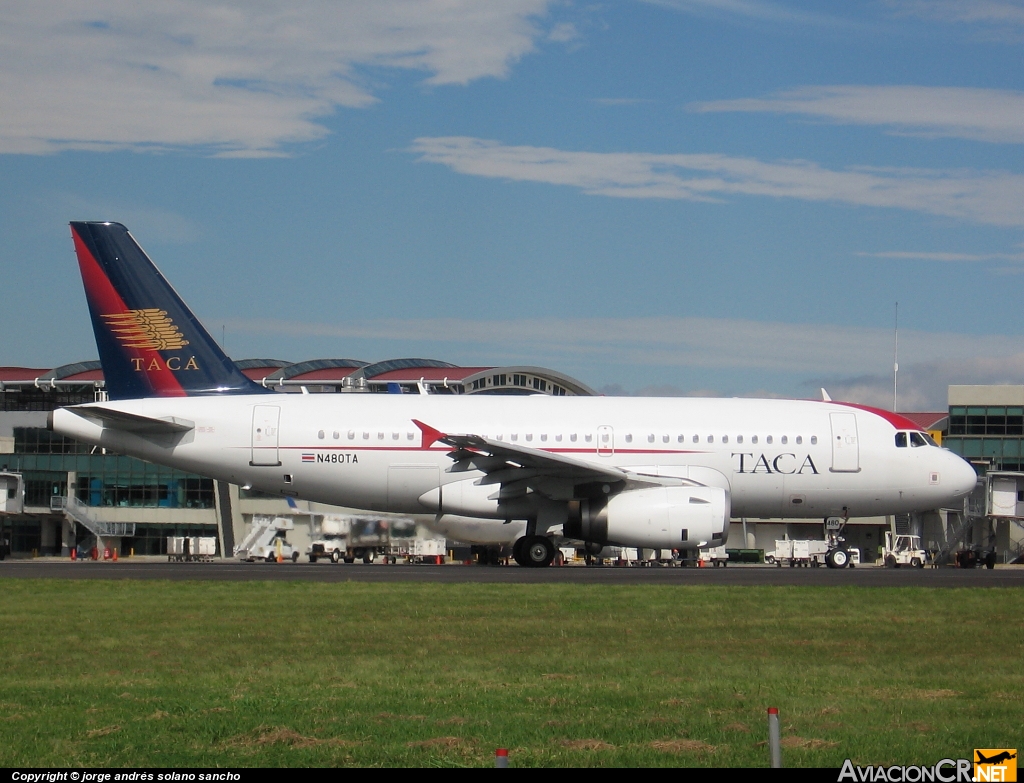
(845, 445)
(265, 438)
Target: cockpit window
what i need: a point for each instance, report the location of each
(917, 439)
(930, 439)
(901, 440)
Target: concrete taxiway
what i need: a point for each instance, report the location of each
(868, 576)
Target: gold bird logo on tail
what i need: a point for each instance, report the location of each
(150, 329)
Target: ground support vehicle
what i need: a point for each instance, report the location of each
(191, 549)
(716, 556)
(350, 538)
(903, 550)
(268, 540)
(976, 558)
(798, 553)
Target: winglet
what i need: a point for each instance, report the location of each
(824, 396)
(430, 435)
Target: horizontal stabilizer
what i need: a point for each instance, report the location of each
(133, 422)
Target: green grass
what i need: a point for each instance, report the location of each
(258, 674)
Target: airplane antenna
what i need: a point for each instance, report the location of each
(895, 354)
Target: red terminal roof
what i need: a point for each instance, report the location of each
(21, 373)
(427, 374)
(928, 421)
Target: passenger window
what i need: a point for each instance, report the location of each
(680, 439)
(409, 436)
(320, 434)
(799, 439)
(664, 438)
(629, 438)
(337, 434)
(380, 436)
(515, 438)
(901, 440)
(351, 434)
(588, 437)
(650, 438)
(572, 437)
(711, 438)
(366, 436)
(725, 439)
(544, 437)
(814, 440)
(558, 437)
(529, 436)
(739, 438)
(768, 439)
(394, 436)
(753, 438)
(696, 438)
(785, 439)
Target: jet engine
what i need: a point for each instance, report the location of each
(656, 518)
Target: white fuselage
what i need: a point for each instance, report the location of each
(775, 458)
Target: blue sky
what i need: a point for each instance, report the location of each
(672, 197)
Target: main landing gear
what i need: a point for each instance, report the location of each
(533, 551)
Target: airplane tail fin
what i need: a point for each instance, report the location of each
(150, 343)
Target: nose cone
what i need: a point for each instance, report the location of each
(962, 476)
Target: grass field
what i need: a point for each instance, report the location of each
(139, 673)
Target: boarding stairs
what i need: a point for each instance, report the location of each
(77, 511)
(956, 532)
(264, 530)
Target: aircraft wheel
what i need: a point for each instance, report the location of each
(538, 552)
(837, 558)
(335, 556)
(517, 551)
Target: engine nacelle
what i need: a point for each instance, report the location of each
(656, 518)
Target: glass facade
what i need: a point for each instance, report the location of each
(29, 398)
(992, 434)
(46, 459)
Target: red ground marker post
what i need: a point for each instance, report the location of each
(501, 758)
(774, 738)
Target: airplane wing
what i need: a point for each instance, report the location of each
(519, 469)
(133, 422)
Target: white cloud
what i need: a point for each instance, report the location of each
(819, 349)
(749, 9)
(917, 255)
(1000, 12)
(923, 386)
(954, 112)
(994, 197)
(242, 78)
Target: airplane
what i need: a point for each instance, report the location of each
(658, 473)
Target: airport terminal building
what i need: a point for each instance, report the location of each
(73, 492)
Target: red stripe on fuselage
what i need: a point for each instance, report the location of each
(104, 300)
(897, 421)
